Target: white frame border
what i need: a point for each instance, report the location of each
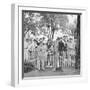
(16, 52)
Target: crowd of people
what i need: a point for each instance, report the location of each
(43, 52)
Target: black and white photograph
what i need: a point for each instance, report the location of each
(50, 43)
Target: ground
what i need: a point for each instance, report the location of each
(49, 72)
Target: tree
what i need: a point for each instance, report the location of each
(52, 20)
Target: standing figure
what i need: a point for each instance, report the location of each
(42, 56)
(37, 58)
(49, 44)
(55, 56)
(71, 52)
(60, 51)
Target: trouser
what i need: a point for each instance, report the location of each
(40, 63)
(55, 60)
(48, 60)
(60, 60)
(69, 59)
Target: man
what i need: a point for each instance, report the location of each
(42, 56)
(71, 52)
(49, 44)
(38, 57)
(61, 48)
(56, 55)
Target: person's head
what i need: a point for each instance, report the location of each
(59, 38)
